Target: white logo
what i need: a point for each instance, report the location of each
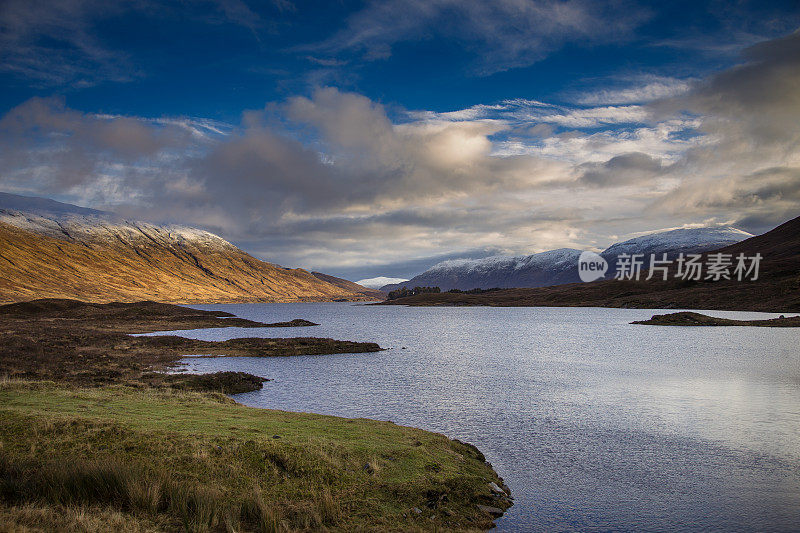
(591, 266)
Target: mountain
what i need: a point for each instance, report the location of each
(348, 285)
(777, 288)
(557, 267)
(380, 281)
(537, 270)
(53, 250)
(44, 206)
(674, 242)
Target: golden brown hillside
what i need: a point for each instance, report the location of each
(348, 285)
(144, 262)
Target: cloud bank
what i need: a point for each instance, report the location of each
(329, 181)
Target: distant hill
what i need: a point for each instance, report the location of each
(537, 270)
(348, 285)
(45, 206)
(557, 267)
(380, 281)
(50, 249)
(776, 290)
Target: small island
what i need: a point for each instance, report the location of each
(689, 318)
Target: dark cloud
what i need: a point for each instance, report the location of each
(59, 148)
(751, 116)
(631, 168)
(761, 222)
(762, 96)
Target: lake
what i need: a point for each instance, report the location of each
(594, 423)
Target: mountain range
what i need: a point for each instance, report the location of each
(558, 267)
(50, 249)
(776, 289)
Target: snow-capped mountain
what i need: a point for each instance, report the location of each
(99, 228)
(66, 221)
(694, 240)
(57, 250)
(380, 281)
(557, 267)
(537, 270)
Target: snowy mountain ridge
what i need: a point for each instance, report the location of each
(551, 257)
(690, 240)
(59, 220)
(57, 250)
(555, 267)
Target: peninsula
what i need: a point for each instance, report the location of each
(95, 435)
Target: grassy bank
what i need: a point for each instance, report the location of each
(118, 458)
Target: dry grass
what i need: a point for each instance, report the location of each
(38, 518)
(153, 267)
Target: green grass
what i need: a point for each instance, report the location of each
(189, 461)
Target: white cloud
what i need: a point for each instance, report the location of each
(647, 90)
(356, 188)
(597, 116)
(503, 34)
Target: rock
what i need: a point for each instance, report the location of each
(417, 510)
(494, 511)
(495, 488)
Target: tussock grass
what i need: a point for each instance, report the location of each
(29, 518)
(184, 461)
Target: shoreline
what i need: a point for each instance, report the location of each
(79, 387)
(584, 296)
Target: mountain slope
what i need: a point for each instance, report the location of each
(557, 267)
(350, 286)
(776, 290)
(67, 252)
(674, 242)
(537, 270)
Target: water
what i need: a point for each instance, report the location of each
(595, 424)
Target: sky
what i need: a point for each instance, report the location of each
(367, 139)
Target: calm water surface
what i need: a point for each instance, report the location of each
(595, 424)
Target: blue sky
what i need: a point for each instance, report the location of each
(376, 138)
(205, 59)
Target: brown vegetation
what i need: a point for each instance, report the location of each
(372, 294)
(150, 266)
(85, 343)
(687, 318)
